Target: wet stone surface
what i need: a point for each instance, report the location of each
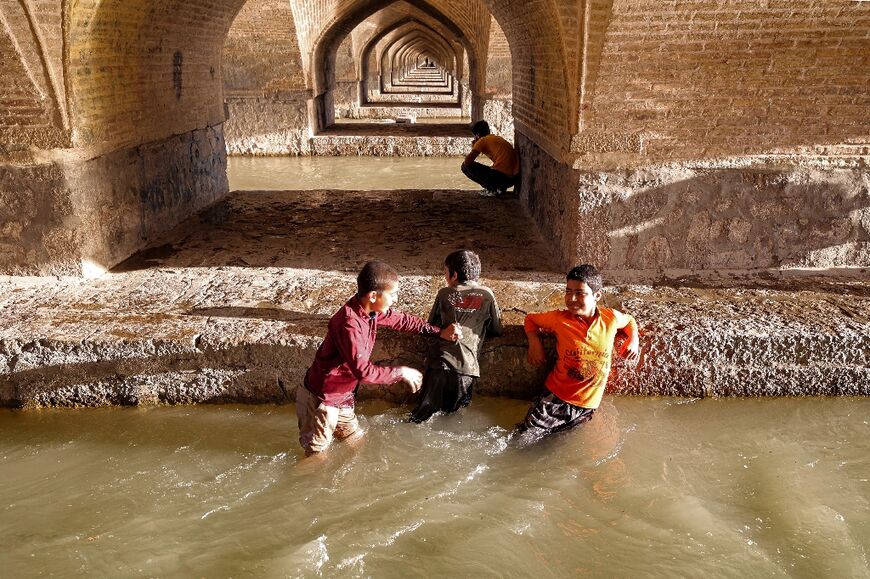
(232, 305)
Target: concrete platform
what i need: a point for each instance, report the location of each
(233, 304)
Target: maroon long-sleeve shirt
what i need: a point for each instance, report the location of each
(342, 360)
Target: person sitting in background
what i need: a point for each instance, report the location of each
(496, 180)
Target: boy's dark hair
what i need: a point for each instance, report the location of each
(375, 276)
(588, 274)
(464, 263)
(480, 129)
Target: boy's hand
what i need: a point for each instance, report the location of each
(413, 377)
(630, 350)
(451, 333)
(536, 355)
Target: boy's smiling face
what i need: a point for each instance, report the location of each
(580, 299)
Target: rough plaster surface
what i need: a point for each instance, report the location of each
(37, 228)
(234, 304)
(268, 126)
(715, 220)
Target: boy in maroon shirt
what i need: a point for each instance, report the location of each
(325, 402)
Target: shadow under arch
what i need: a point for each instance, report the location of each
(322, 111)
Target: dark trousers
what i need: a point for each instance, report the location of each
(548, 415)
(444, 390)
(489, 178)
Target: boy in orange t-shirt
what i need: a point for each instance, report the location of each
(584, 343)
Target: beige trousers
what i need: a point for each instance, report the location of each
(319, 423)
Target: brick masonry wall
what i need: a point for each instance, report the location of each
(499, 77)
(261, 52)
(706, 78)
(141, 70)
(33, 108)
(541, 69)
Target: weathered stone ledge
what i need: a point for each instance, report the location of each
(696, 342)
(390, 146)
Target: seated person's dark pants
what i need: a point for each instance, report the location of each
(443, 390)
(489, 178)
(549, 414)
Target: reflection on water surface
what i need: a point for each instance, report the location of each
(659, 487)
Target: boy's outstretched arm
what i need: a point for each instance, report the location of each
(630, 349)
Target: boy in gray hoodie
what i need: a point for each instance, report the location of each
(452, 368)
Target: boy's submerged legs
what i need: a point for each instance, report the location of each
(443, 390)
(549, 415)
(319, 423)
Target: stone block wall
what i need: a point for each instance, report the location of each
(268, 125)
(81, 217)
(657, 221)
(38, 235)
(548, 190)
(126, 200)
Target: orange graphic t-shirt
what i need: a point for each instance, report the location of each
(585, 351)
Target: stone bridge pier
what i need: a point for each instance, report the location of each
(718, 148)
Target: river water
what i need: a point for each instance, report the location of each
(346, 173)
(650, 487)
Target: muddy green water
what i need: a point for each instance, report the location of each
(651, 487)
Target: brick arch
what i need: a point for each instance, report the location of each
(410, 40)
(445, 47)
(142, 69)
(401, 46)
(543, 106)
(326, 47)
